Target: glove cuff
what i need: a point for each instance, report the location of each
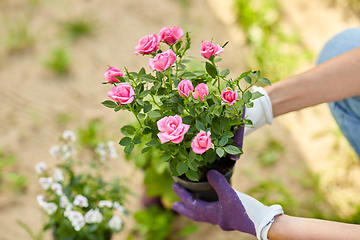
(266, 223)
(266, 104)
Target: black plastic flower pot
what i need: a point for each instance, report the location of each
(204, 190)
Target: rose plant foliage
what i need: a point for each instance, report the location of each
(190, 116)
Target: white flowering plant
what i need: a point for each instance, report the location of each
(190, 116)
(81, 204)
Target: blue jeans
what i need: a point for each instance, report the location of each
(346, 112)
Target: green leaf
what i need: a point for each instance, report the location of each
(265, 81)
(200, 126)
(220, 152)
(180, 108)
(162, 91)
(148, 78)
(141, 116)
(144, 93)
(154, 114)
(182, 168)
(128, 130)
(192, 156)
(217, 129)
(228, 134)
(249, 105)
(136, 140)
(255, 74)
(145, 149)
(192, 175)
(188, 119)
(125, 141)
(232, 150)
(225, 72)
(184, 154)
(211, 70)
(147, 108)
(129, 148)
(207, 118)
(140, 102)
(188, 75)
(244, 73)
(223, 141)
(166, 156)
(192, 165)
(225, 44)
(247, 79)
(247, 96)
(256, 95)
(153, 143)
(109, 104)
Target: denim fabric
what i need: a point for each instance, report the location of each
(346, 112)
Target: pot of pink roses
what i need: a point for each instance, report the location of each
(194, 118)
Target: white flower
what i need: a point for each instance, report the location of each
(64, 201)
(77, 220)
(112, 150)
(81, 201)
(55, 151)
(67, 151)
(50, 208)
(68, 209)
(57, 188)
(115, 223)
(58, 175)
(120, 208)
(105, 203)
(45, 183)
(40, 167)
(69, 136)
(41, 200)
(93, 216)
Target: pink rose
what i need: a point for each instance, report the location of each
(122, 93)
(229, 96)
(201, 90)
(148, 44)
(201, 142)
(172, 129)
(185, 87)
(208, 49)
(162, 61)
(112, 73)
(171, 35)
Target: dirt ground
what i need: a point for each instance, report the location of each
(32, 98)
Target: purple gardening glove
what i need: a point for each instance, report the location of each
(233, 211)
(238, 138)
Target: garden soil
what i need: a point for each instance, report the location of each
(36, 105)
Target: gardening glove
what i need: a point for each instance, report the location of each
(261, 113)
(233, 211)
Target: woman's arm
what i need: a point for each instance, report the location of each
(330, 81)
(294, 228)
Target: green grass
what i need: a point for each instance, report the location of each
(17, 36)
(77, 28)
(58, 60)
(271, 49)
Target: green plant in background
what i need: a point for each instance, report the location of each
(81, 204)
(79, 27)
(10, 179)
(156, 223)
(58, 60)
(271, 152)
(17, 37)
(89, 136)
(277, 52)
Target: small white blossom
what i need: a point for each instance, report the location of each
(45, 183)
(64, 201)
(68, 209)
(100, 149)
(81, 201)
(55, 151)
(66, 151)
(77, 220)
(40, 167)
(69, 136)
(93, 216)
(120, 208)
(41, 200)
(115, 223)
(58, 175)
(50, 208)
(105, 203)
(57, 188)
